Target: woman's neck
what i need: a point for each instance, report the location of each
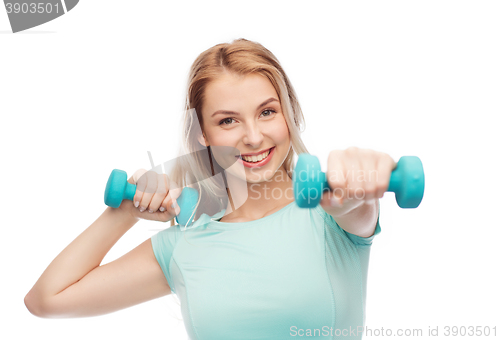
(251, 201)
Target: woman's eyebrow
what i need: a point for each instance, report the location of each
(225, 112)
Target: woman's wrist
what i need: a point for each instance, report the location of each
(123, 215)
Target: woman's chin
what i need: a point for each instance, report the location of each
(264, 176)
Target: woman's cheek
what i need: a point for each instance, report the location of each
(224, 137)
(281, 132)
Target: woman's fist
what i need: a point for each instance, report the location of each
(355, 176)
(155, 197)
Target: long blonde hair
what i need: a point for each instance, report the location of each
(241, 57)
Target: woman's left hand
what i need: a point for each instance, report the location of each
(356, 177)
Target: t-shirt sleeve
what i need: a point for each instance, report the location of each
(163, 244)
(364, 241)
(355, 239)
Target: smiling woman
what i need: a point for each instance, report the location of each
(251, 256)
(251, 246)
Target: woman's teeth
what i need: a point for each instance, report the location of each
(253, 159)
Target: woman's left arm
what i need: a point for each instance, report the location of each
(357, 178)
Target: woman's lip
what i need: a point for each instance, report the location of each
(257, 164)
(256, 154)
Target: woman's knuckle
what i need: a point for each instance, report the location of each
(166, 179)
(338, 183)
(386, 158)
(161, 190)
(352, 150)
(333, 153)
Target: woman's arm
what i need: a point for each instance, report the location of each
(75, 285)
(357, 178)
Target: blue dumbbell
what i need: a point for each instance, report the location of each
(407, 181)
(118, 189)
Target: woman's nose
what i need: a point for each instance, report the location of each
(253, 135)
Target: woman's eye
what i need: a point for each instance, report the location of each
(224, 120)
(227, 121)
(268, 110)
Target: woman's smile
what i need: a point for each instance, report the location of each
(257, 161)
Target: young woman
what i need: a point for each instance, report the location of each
(253, 265)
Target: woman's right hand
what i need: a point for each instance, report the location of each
(153, 197)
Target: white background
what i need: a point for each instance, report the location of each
(100, 86)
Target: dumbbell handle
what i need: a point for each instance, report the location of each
(118, 189)
(407, 181)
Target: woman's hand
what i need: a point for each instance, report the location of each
(154, 197)
(356, 177)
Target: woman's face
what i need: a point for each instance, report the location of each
(255, 124)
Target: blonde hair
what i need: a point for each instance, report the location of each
(241, 57)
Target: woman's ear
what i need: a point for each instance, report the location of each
(202, 140)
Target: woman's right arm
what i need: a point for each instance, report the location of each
(76, 285)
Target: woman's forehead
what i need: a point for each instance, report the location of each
(237, 93)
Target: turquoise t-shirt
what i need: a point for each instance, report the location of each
(292, 274)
